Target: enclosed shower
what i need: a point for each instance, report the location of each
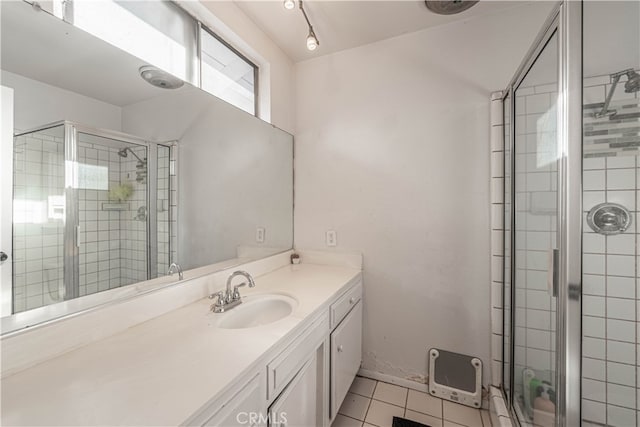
(91, 213)
(571, 284)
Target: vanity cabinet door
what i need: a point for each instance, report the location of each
(346, 355)
(244, 409)
(297, 406)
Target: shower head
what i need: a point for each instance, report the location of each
(633, 82)
(123, 152)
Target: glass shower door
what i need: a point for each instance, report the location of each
(535, 238)
(39, 215)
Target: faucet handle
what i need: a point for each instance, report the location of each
(220, 302)
(236, 292)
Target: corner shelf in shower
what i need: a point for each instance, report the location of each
(111, 206)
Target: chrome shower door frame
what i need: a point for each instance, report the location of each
(71, 257)
(566, 21)
(569, 310)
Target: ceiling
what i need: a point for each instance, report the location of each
(345, 24)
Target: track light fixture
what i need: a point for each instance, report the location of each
(312, 40)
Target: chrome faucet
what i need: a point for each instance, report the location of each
(175, 268)
(230, 298)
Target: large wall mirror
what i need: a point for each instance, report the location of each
(113, 179)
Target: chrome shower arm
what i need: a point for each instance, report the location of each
(605, 108)
(615, 78)
(136, 156)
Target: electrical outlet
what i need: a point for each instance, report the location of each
(260, 234)
(331, 238)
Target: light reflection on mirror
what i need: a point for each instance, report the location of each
(116, 23)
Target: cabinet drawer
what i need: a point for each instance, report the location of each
(282, 369)
(346, 355)
(340, 308)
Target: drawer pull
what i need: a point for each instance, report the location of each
(340, 349)
(344, 304)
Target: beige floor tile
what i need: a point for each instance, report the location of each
(486, 418)
(354, 406)
(390, 393)
(363, 386)
(381, 414)
(342, 421)
(368, 425)
(423, 418)
(448, 423)
(425, 403)
(461, 414)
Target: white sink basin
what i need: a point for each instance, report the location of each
(257, 310)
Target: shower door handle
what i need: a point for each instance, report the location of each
(3, 257)
(552, 272)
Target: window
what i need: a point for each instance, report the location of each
(225, 73)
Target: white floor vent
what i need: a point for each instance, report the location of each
(456, 377)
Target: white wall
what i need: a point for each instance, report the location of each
(611, 34)
(38, 103)
(392, 152)
(276, 98)
(234, 175)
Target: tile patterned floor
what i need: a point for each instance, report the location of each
(371, 403)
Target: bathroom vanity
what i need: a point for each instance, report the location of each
(190, 367)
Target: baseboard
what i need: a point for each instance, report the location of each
(394, 380)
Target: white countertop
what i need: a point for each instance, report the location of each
(164, 370)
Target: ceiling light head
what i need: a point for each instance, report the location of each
(312, 40)
(159, 78)
(289, 4)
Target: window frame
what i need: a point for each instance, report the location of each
(256, 73)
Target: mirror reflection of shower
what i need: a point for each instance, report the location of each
(117, 238)
(141, 166)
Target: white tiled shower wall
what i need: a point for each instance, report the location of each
(100, 230)
(610, 274)
(163, 210)
(499, 414)
(497, 235)
(167, 206)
